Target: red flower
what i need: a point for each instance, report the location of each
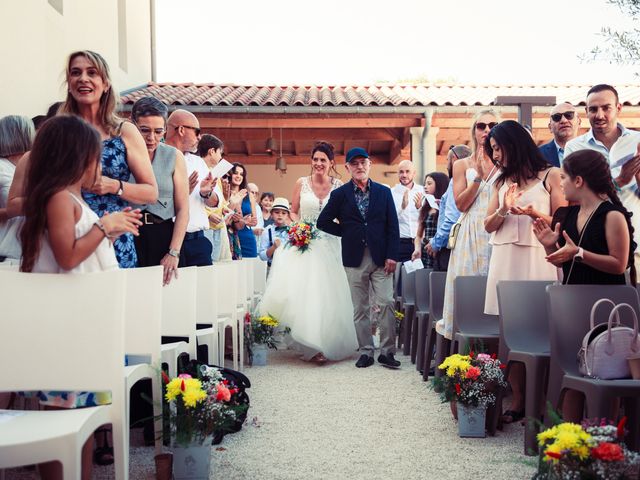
(621, 425)
(182, 385)
(556, 455)
(609, 452)
(458, 389)
(165, 377)
(503, 366)
(471, 354)
(473, 373)
(494, 356)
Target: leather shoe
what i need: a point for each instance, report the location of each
(388, 361)
(364, 361)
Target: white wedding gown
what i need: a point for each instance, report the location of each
(308, 291)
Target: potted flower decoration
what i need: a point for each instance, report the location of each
(471, 381)
(592, 450)
(260, 333)
(198, 407)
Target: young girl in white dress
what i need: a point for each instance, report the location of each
(308, 291)
(61, 234)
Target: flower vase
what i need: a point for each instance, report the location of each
(192, 462)
(471, 421)
(259, 355)
(164, 466)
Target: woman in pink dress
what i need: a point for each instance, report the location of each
(528, 188)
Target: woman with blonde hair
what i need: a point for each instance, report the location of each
(472, 180)
(91, 96)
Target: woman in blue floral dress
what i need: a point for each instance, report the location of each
(127, 176)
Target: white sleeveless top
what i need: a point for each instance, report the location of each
(102, 259)
(310, 204)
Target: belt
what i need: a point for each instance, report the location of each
(194, 235)
(149, 218)
(406, 240)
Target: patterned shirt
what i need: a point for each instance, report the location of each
(362, 198)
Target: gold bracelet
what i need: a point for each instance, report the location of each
(500, 215)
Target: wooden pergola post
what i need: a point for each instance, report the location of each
(525, 105)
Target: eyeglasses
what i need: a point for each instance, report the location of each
(483, 126)
(145, 132)
(556, 117)
(195, 129)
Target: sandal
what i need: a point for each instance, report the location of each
(512, 416)
(319, 359)
(103, 455)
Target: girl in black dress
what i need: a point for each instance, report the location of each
(592, 238)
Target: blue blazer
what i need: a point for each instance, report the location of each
(550, 152)
(379, 231)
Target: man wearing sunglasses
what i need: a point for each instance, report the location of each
(563, 124)
(183, 133)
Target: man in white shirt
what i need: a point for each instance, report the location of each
(183, 132)
(404, 195)
(603, 107)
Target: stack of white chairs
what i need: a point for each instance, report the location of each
(179, 317)
(143, 327)
(75, 323)
(207, 312)
(259, 278)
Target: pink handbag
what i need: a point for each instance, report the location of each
(606, 346)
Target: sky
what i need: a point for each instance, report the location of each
(361, 42)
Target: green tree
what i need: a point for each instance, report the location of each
(620, 46)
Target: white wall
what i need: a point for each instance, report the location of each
(35, 40)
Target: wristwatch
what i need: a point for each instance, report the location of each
(578, 257)
(174, 253)
(120, 189)
(206, 196)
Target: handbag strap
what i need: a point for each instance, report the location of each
(584, 229)
(614, 312)
(482, 185)
(595, 307)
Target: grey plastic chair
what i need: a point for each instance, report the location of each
(421, 318)
(569, 321)
(408, 308)
(469, 320)
(437, 282)
(524, 337)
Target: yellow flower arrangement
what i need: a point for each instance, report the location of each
(456, 364)
(190, 389)
(268, 321)
(565, 438)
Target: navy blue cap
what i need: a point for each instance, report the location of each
(356, 152)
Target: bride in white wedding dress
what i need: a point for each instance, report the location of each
(308, 291)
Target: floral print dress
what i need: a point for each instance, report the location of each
(114, 165)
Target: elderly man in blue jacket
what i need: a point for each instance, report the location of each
(367, 223)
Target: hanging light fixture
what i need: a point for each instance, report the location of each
(281, 163)
(271, 143)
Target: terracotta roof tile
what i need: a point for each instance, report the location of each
(360, 95)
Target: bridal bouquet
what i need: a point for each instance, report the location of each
(471, 380)
(301, 234)
(590, 450)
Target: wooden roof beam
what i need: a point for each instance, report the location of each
(217, 122)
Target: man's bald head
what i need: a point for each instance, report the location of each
(183, 131)
(563, 128)
(406, 173)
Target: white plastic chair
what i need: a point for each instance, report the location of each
(75, 323)
(259, 278)
(143, 327)
(227, 286)
(207, 312)
(179, 317)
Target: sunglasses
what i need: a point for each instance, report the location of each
(452, 149)
(483, 126)
(556, 117)
(145, 132)
(195, 129)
